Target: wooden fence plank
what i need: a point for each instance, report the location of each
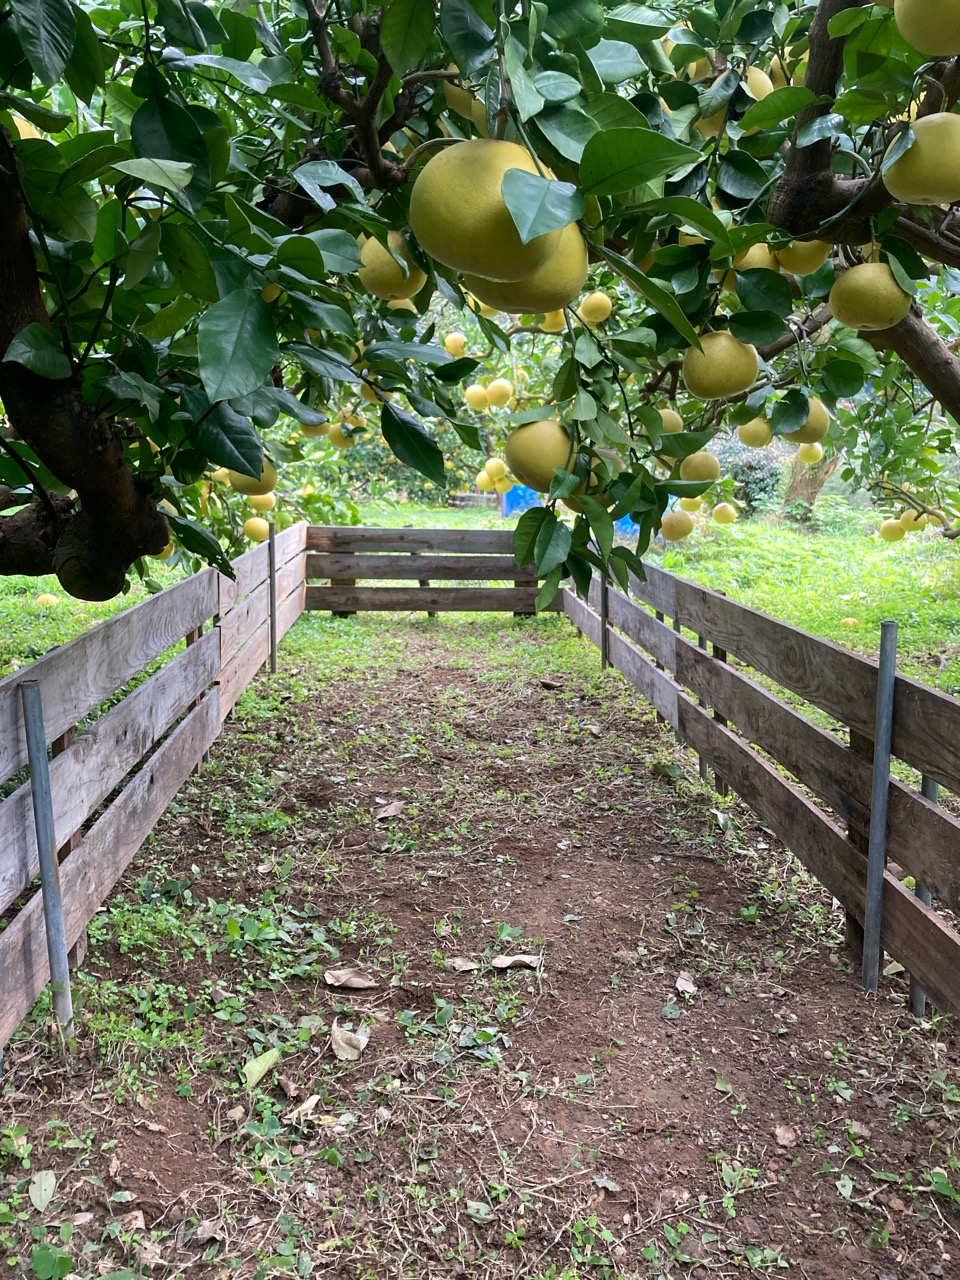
(239, 670)
(289, 610)
(242, 621)
(90, 873)
(581, 615)
(643, 628)
(85, 773)
(416, 566)
(80, 675)
(659, 590)
(419, 599)
(346, 539)
(253, 567)
(920, 836)
(657, 687)
(913, 934)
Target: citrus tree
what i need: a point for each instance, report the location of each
(223, 225)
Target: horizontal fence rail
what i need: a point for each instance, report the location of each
(734, 724)
(344, 557)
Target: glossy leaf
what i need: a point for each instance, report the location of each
(47, 31)
(467, 36)
(411, 443)
(621, 159)
(237, 345)
(406, 32)
(539, 205)
(38, 350)
(552, 545)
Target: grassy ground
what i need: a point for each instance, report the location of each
(302, 1052)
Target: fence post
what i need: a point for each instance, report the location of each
(930, 790)
(879, 800)
(272, 553)
(423, 582)
(604, 624)
(78, 951)
(702, 767)
(50, 894)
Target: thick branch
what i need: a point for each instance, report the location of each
(926, 355)
(28, 539)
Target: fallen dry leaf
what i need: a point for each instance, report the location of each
(209, 1229)
(786, 1135)
(389, 810)
(461, 964)
(303, 1110)
(686, 984)
(289, 1087)
(516, 962)
(348, 1045)
(235, 1113)
(133, 1221)
(859, 1130)
(550, 682)
(356, 979)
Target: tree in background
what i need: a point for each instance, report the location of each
(205, 243)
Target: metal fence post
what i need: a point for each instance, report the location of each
(604, 624)
(930, 790)
(47, 850)
(272, 551)
(879, 799)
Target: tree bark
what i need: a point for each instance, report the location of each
(88, 543)
(804, 488)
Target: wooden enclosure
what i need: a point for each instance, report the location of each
(132, 706)
(753, 739)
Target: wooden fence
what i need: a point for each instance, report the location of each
(115, 770)
(752, 739)
(115, 767)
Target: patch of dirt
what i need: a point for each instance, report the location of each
(689, 1081)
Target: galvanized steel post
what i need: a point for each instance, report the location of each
(879, 799)
(272, 551)
(47, 850)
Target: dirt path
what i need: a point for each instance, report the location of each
(686, 1082)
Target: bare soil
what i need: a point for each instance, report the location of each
(682, 1077)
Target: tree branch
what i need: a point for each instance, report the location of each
(926, 355)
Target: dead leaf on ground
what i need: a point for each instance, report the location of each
(133, 1221)
(348, 1045)
(516, 962)
(389, 810)
(786, 1135)
(594, 729)
(550, 682)
(859, 1130)
(356, 979)
(303, 1110)
(209, 1229)
(257, 1068)
(461, 964)
(686, 984)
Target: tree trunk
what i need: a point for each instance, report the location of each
(805, 486)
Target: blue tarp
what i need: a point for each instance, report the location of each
(520, 499)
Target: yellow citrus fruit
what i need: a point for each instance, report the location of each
(676, 525)
(47, 601)
(803, 256)
(547, 289)
(852, 623)
(724, 367)
(931, 26)
(460, 217)
(816, 426)
(758, 255)
(401, 304)
(811, 453)
(339, 438)
(458, 100)
(534, 450)
(892, 531)
(316, 429)
(504, 485)
(166, 553)
(913, 521)
(381, 273)
(670, 421)
(256, 528)
(495, 468)
(755, 434)
(595, 308)
(929, 173)
(221, 475)
(868, 297)
(759, 83)
(499, 392)
(455, 344)
(690, 504)
(553, 322)
(270, 292)
(481, 308)
(476, 396)
(248, 485)
(724, 513)
(263, 501)
(700, 466)
(484, 481)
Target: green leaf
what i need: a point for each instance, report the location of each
(636, 23)
(131, 386)
(406, 32)
(551, 586)
(162, 175)
(45, 119)
(694, 214)
(842, 378)
(326, 364)
(556, 86)
(659, 299)
(575, 20)
(600, 523)
(778, 107)
(525, 534)
(614, 61)
(256, 1068)
(320, 174)
(760, 289)
(163, 130)
(339, 249)
(195, 538)
(568, 129)
(142, 255)
(466, 35)
(42, 1186)
(552, 545)
(47, 31)
(187, 259)
(620, 159)
(680, 444)
(237, 345)
(539, 205)
(410, 441)
(419, 352)
(38, 350)
(222, 435)
(790, 413)
(84, 72)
